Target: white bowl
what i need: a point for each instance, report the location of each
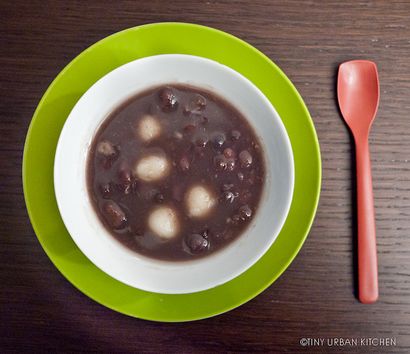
(81, 220)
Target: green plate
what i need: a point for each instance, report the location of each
(63, 94)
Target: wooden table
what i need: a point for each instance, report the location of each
(314, 298)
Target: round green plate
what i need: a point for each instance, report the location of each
(63, 94)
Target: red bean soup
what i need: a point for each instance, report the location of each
(176, 173)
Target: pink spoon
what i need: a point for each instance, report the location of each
(358, 94)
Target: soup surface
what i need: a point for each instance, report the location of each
(175, 173)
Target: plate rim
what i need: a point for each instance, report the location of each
(311, 128)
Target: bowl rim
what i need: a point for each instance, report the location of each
(181, 264)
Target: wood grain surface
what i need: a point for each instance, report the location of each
(314, 298)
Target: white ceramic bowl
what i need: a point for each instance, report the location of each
(79, 216)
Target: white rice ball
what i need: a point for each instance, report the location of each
(152, 168)
(149, 128)
(200, 200)
(163, 221)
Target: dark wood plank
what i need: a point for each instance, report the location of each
(40, 310)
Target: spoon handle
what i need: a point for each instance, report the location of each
(367, 262)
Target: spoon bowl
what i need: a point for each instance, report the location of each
(358, 94)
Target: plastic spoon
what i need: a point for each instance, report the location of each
(358, 94)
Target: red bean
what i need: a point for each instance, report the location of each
(147, 192)
(229, 196)
(245, 196)
(184, 164)
(251, 178)
(195, 105)
(159, 198)
(125, 188)
(235, 134)
(204, 120)
(201, 141)
(124, 173)
(196, 243)
(168, 100)
(224, 234)
(220, 162)
(236, 218)
(106, 190)
(206, 233)
(245, 158)
(227, 186)
(230, 164)
(218, 140)
(134, 187)
(189, 128)
(125, 178)
(199, 101)
(245, 212)
(114, 215)
(228, 152)
(106, 163)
